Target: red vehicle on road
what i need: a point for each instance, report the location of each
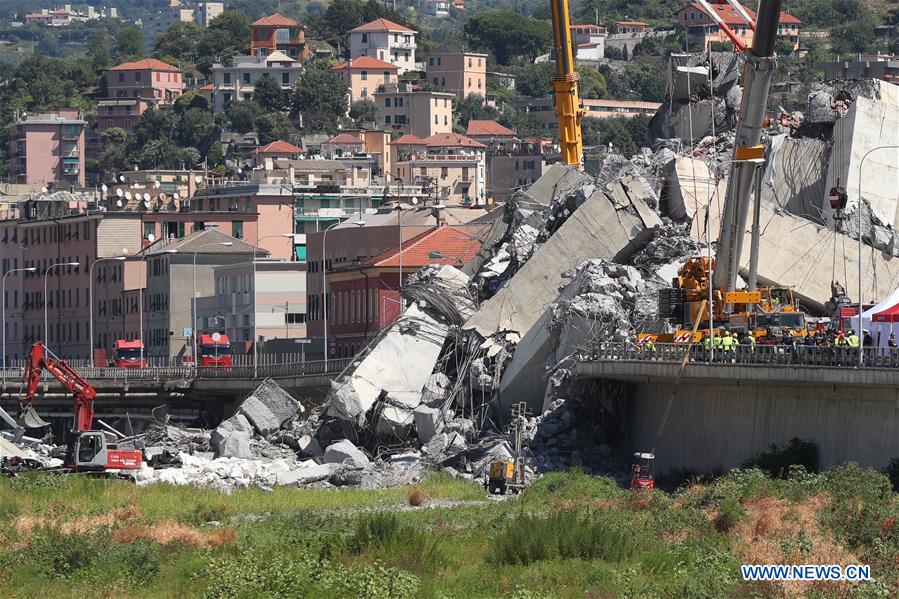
(127, 354)
(215, 350)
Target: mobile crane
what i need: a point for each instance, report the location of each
(87, 449)
(565, 84)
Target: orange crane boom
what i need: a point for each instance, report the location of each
(565, 84)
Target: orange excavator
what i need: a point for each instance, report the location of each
(87, 450)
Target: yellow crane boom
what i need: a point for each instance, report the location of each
(565, 84)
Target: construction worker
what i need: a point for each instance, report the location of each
(852, 339)
(706, 344)
(651, 348)
(894, 350)
(717, 343)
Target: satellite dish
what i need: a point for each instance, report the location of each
(104, 188)
(118, 192)
(146, 197)
(151, 238)
(121, 178)
(124, 251)
(163, 197)
(118, 203)
(128, 195)
(198, 178)
(43, 190)
(175, 196)
(216, 337)
(415, 201)
(146, 204)
(157, 184)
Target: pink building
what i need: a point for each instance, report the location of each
(133, 87)
(364, 75)
(47, 147)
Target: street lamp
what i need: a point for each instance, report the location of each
(222, 243)
(360, 223)
(49, 268)
(861, 342)
(9, 272)
(255, 329)
(140, 300)
(90, 303)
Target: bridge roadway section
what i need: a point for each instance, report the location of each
(185, 392)
(736, 406)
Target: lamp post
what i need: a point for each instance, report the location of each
(194, 322)
(7, 273)
(46, 275)
(359, 223)
(90, 303)
(140, 300)
(255, 296)
(861, 339)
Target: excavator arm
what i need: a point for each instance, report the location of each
(82, 391)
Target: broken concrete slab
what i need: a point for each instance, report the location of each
(345, 452)
(307, 473)
(269, 407)
(232, 438)
(434, 392)
(795, 176)
(559, 180)
(400, 364)
(309, 447)
(427, 422)
(394, 422)
(595, 230)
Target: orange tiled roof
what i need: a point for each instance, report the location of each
(345, 138)
(451, 140)
(279, 147)
(382, 25)
(451, 243)
(731, 17)
(487, 128)
(365, 62)
(409, 140)
(146, 63)
(276, 20)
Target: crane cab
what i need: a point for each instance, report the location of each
(90, 451)
(643, 471)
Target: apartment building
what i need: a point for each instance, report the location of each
(386, 41)
(270, 300)
(362, 296)
(134, 87)
(236, 82)
(175, 272)
(406, 109)
(369, 142)
(364, 75)
(277, 33)
(450, 166)
(703, 30)
(512, 163)
(47, 148)
(160, 18)
(589, 41)
(454, 70)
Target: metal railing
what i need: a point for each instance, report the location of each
(164, 373)
(765, 355)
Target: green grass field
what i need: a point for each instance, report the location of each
(569, 535)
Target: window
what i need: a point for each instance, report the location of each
(399, 102)
(469, 61)
(226, 98)
(436, 120)
(364, 75)
(436, 81)
(149, 229)
(246, 78)
(364, 93)
(227, 78)
(431, 61)
(387, 119)
(285, 78)
(386, 76)
(237, 229)
(386, 102)
(364, 38)
(444, 172)
(442, 82)
(296, 318)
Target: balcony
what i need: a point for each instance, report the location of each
(403, 45)
(71, 170)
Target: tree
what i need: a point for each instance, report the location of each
(267, 93)
(216, 154)
(180, 40)
(194, 127)
(189, 100)
(320, 96)
(225, 37)
(473, 108)
(508, 35)
(274, 126)
(242, 116)
(130, 42)
(364, 111)
(592, 83)
(535, 80)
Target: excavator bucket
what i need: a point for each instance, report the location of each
(29, 418)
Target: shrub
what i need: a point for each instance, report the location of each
(384, 534)
(861, 503)
(777, 461)
(564, 535)
(571, 486)
(416, 496)
(730, 512)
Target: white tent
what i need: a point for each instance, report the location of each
(880, 331)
